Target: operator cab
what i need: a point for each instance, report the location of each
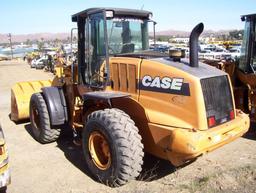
(105, 32)
(248, 51)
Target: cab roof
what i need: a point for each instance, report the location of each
(135, 13)
(249, 16)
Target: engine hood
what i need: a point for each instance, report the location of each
(203, 71)
(147, 54)
(171, 92)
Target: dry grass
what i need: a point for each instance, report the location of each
(240, 179)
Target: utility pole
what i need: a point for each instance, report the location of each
(154, 23)
(10, 39)
(71, 38)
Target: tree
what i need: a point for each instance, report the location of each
(236, 34)
(40, 45)
(163, 38)
(28, 42)
(74, 39)
(68, 39)
(56, 42)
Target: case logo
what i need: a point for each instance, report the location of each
(165, 85)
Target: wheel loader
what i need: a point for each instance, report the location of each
(5, 174)
(245, 70)
(122, 100)
(242, 72)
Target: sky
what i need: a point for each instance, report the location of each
(27, 16)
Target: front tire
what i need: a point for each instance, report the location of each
(112, 147)
(40, 120)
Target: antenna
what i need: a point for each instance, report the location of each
(142, 7)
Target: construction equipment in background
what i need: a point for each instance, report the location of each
(227, 44)
(242, 72)
(5, 175)
(246, 67)
(122, 100)
(227, 66)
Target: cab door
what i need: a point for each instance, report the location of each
(247, 61)
(95, 50)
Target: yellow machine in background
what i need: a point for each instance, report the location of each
(246, 69)
(5, 175)
(122, 100)
(242, 73)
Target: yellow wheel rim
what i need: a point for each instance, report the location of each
(99, 150)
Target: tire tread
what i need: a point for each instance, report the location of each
(127, 140)
(47, 134)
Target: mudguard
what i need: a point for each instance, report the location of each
(56, 105)
(103, 96)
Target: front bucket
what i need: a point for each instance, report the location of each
(20, 97)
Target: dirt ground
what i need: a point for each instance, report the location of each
(59, 167)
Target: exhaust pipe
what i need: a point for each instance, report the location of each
(193, 44)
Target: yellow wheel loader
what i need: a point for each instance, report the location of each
(246, 69)
(243, 72)
(5, 174)
(122, 100)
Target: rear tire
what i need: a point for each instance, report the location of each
(124, 158)
(40, 120)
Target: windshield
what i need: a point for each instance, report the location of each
(127, 35)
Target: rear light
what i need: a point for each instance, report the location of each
(211, 121)
(232, 114)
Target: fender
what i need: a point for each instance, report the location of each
(101, 99)
(56, 105)
(134, 109)
(103, 96)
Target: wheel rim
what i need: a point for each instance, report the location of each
(99, 150)
(35, 117)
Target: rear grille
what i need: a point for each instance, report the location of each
(217, 99)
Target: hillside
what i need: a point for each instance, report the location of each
(186, 33)
(33, 37)
(62, 36)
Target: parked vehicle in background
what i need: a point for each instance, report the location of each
(39, 63)
(159, 48)
(3, 57)
(221, 54)
(205, 54)
(235, 53)
(214, 53)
